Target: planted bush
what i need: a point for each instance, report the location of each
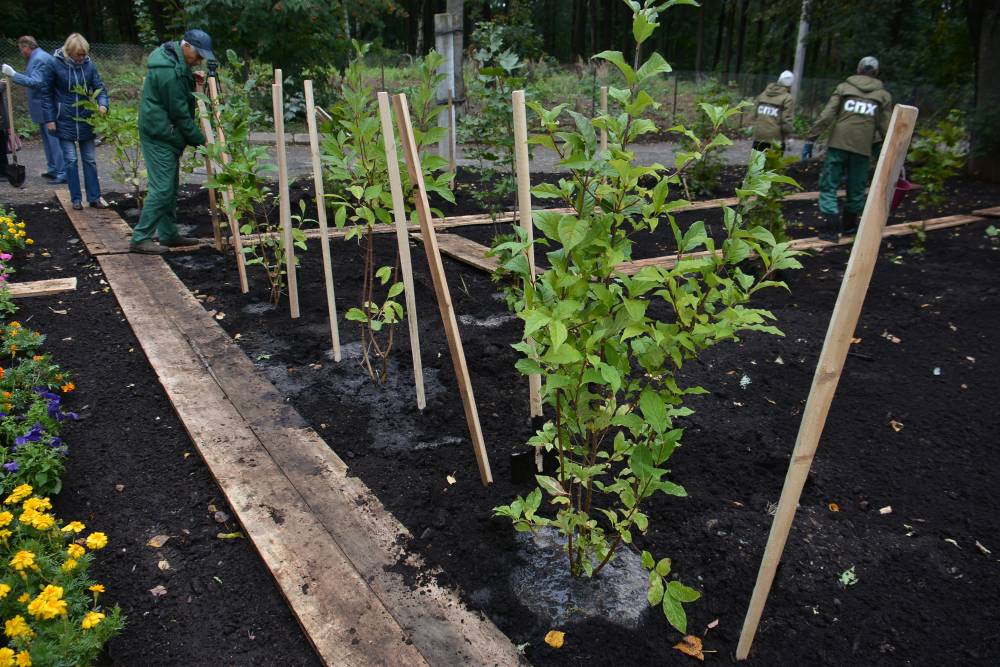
(119, 128)
(609, 346)
(764, 210)
(938, 153)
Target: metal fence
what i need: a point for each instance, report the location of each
(99, 52)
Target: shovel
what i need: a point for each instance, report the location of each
(15, 171)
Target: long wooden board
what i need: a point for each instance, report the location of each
(992, 212)
(42, 287)
(329, 542)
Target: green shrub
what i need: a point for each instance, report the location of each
(938, 153)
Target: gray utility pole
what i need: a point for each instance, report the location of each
(457, 10)
(800, 51)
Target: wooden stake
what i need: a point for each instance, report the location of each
(441, 288)
(831, 359)
(234, 227)
(524, 213)
(452, 162)
(403, 242)
(213, 205)
(324, 238)
(604, 112)
(284, 205)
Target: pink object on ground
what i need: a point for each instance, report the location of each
(902, 187)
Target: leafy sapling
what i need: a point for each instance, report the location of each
(119, 128)
(609, 344)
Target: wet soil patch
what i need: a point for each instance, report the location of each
(133, 472)
(920, 576)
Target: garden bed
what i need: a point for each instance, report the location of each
(918, 568)
(133, 473)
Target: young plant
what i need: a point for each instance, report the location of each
(355, 164)
(609, 345)
(765, 210)
(253, 205)
(119, 128)
(937, 154)
(487, 131)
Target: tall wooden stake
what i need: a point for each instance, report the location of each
(284, 206)
(403, 242)
(831, 359)
(523, 168)
(213, 205)
(234, 227)
(604, 112)
(452, 148)
(441, 287)
(324, 238)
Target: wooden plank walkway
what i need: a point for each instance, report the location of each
(328, 541)
(993, 212)
(42, 287)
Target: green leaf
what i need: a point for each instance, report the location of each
(551, 485)
(395, 290)
(682, 593)
(642, 28)
(655, 591)
(572, 231)
(647, 561)
(653, 409)
(654, 65)
(674, 611)
(384, 274)
(663, 567)
(618, 60)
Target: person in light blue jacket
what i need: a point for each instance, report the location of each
(72, 70)
(34, 78)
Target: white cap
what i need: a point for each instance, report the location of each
(868, 64)
(786, 79)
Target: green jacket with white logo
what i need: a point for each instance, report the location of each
(857, 115)
(773, 111)
(167, 107)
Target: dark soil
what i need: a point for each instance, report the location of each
(926, 594)
(222, 606)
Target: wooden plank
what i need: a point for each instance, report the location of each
(284, 205)
(41, 287)
(843, 322)
(402, 243)
(234, 227)
(992, 212)
(324, 237)
(102, 230)
(340, 614)
(440, 281)
(464, 250)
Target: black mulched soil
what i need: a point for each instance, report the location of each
(133, 473)
(925, 592)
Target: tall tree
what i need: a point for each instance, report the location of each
(984, 25)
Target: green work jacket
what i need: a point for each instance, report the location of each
(167, 107)
(773, 111)
(857, 115)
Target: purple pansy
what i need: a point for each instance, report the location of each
(10, 466)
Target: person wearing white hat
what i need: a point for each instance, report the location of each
(773, 111)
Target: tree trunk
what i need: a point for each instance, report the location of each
(457, 10)
(579, 28)
(718, 37)
(727, 57)
(741, 37)
(700, 40)
(984, 26)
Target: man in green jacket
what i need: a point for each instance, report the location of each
(857, 114)
(166, 126)
(773, 113)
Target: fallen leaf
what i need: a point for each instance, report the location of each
(158, 541)
(451, 479)
(834, 507)
(779, 360)
(163, 564)
(886, 510)
(119, 487)
(555, 638)
(230, 536)
(892, 339)
(212, 508)
(714, 624)
(220, 517)
(158, 591)
(951, 541)
(855, 341)
(187, 454)
(58, 311)
(984, 550)
(896, 426)
(936, 371)
(971, 360)
(691, 646)
(220, 316)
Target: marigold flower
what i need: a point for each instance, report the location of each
(91, 619)
(6, 657)
(38, 357)
(68, 387)
(8, 407)
(43, 521)
(24, 597)
(4, 589)
(37, 504)
(75, 550)
(96, 588)
(30, 242)
(48, 604)
(18, 627)
(97, 541)
(2, 371)
(23, 659)
(22, 560)
(8, 394)
(19, 494)
(69, 565)
(4, 534)
(5, 518)
(20, 225)
(73, 527)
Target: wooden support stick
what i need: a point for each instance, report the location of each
(831, 359)
(403, 242)
(452, 149)
(524, 213)
(604, 112)
(284, 206)
(234, 227)
(441, 287)
(324, 238)
(213, 205)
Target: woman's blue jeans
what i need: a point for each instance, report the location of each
(88, 155)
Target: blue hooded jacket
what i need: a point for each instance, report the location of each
(64, 76)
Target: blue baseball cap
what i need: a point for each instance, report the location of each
(201, 42)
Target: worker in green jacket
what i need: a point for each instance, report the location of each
(166, 126)
(773, 111)
(856, 116)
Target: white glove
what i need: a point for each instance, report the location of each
(8, 70)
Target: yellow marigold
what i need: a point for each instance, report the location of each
(20, 225)
(8, 394)
(68, 387)
(96, 588)
(73, 527)
(4, 589)
(5, 518)
(43, 521)
(69, 565)
(4, 534)
(14, 324)
(6, 657)
(30, 242)
(37, 504)
(18, 627)
(97, 541)
(75, 550)
(22, 560)
(7, 407)
(38, 357)
(19, 494)
(24, 597)
(91, 619)
(23, 659)
(48, 604)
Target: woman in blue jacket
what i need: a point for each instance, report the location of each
(73, 69)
